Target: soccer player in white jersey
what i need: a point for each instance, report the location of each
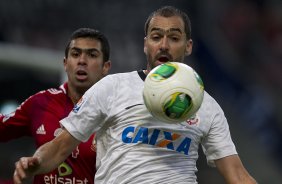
(132, 146)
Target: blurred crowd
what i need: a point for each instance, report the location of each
(252, 34)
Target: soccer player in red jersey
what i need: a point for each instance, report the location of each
(86, 61)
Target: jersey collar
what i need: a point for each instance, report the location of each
(64, 87)
(141, 74)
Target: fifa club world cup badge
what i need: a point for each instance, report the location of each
(78, 105)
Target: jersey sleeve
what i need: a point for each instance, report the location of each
(218, 142)
(91, 112)
(17, 123)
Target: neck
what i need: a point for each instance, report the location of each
(146, 72)
(74, 94)
(75, 98)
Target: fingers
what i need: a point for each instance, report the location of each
(17, 178)
(19, 174)
(25, 169)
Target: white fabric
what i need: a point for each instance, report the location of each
(133, 147)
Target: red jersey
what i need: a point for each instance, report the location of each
(39, 117)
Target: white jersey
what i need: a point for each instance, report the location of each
(133, 147)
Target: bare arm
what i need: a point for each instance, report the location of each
(233, 171)
(46, 158)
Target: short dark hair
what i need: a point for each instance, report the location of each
(93, 34)
(169, 11)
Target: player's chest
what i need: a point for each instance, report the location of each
(45, 122)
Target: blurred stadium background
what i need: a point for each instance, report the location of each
(237, 51)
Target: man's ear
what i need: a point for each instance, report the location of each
(107, 66)
(145, 47)
(65, 63)
(189, 47)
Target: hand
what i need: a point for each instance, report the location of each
(26, 168)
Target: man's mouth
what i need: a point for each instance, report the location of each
(163, 59)
(81, 75)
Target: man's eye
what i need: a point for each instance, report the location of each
(74, 54)
(175, 39)
(92, 55)
(155, 37)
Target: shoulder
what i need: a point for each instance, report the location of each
(121, 76)
(115, 80)
(43, 95)
(209, 103)
(210, 110)
(111, 85)
(51, 92)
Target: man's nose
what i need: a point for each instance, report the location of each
(82, 59)
(164, 44)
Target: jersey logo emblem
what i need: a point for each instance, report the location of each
(78, 105)
(194, 120)
(156, 137)
(64, 169)
(41, 130)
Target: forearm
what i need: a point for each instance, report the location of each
(53, 153)
(233, 171)
(241, 177)
(48, 158)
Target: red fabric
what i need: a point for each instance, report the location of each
(6, 181)
(39, 117)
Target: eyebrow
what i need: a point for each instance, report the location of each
(167, 31)
(85, 50)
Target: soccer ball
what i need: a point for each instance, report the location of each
(173, 92)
